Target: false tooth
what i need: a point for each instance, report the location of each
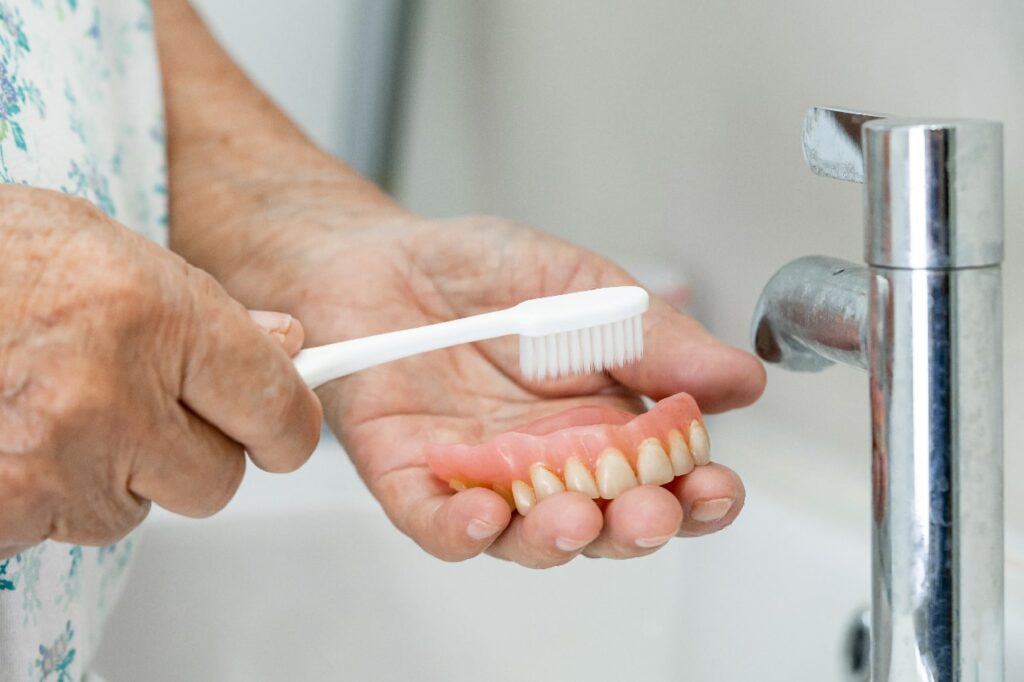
(505, 493)
(614, 475)
(578, 478)
(700, 446)
(679, 454)
(545, 482)
(652, 464)
(524, 497)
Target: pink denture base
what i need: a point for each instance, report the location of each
(583, 432)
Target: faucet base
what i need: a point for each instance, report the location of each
(936, 398)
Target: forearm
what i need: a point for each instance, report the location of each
(245, 182)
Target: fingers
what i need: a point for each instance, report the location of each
(711, 497)
(681, 356)
(637, 522)
(451, 527)
(554, 531)
(282, 327)
(562, 526)
(37, 505)
(27, 509)
(643, 519)
(237, 378)
(195, 472)
(186, 466)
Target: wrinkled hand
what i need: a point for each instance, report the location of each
(127, 376)
(360, 281)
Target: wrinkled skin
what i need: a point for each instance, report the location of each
(128, 377)
(404, 271)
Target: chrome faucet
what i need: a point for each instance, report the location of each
(924, 318)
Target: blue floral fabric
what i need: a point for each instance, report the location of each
(80, 112)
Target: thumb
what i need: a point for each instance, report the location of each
(681, 356)
(281, 326)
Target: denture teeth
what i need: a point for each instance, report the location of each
(652, 464)
(505, 493)
(578, 478)
(523, 496)
(700, 445)
(545, 482)
(679, 454)
(614, 475)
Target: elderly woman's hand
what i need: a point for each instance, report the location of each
(399, 271)
(127, 376)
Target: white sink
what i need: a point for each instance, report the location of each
(303, 578)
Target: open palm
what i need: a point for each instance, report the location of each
(416, 272)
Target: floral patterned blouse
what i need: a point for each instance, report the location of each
(80, 112)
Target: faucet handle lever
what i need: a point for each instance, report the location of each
(831, 141)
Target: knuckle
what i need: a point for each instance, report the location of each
(26, 429)
(203, 286)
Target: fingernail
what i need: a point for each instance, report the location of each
(274, 322)
(570, 545)
(647, 543)
(481, 530)
(711, 510)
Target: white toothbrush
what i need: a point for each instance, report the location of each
(583, 332)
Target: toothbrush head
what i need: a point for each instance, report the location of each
(580, 333)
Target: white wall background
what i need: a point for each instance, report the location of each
(298, 51)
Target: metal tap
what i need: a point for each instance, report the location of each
(924, 317)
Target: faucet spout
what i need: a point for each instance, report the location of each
(814, 313)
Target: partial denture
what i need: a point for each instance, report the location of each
(597, 452)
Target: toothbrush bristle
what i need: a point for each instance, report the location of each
(581, 351)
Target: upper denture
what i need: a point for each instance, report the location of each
(656, 446)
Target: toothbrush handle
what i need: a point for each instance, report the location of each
(321, 364)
